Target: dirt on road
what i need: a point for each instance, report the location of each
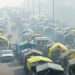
(11, 69)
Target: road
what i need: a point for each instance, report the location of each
(11, 68)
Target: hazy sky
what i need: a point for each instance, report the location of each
(64, 9)
(11, 3)
(19, 3)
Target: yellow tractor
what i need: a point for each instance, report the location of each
(55, 51)
(30, 53)
(68, 62)
(39, 65)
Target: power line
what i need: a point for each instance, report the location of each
(53, 19)
(28, 12)
(48, 8)
(33, 8)
(39, 7)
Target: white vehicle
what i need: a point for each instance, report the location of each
(6, 55)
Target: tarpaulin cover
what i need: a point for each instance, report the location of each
(49, 65)
(35, 59)
(55, 47)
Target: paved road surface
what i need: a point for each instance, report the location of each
(11, 69)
